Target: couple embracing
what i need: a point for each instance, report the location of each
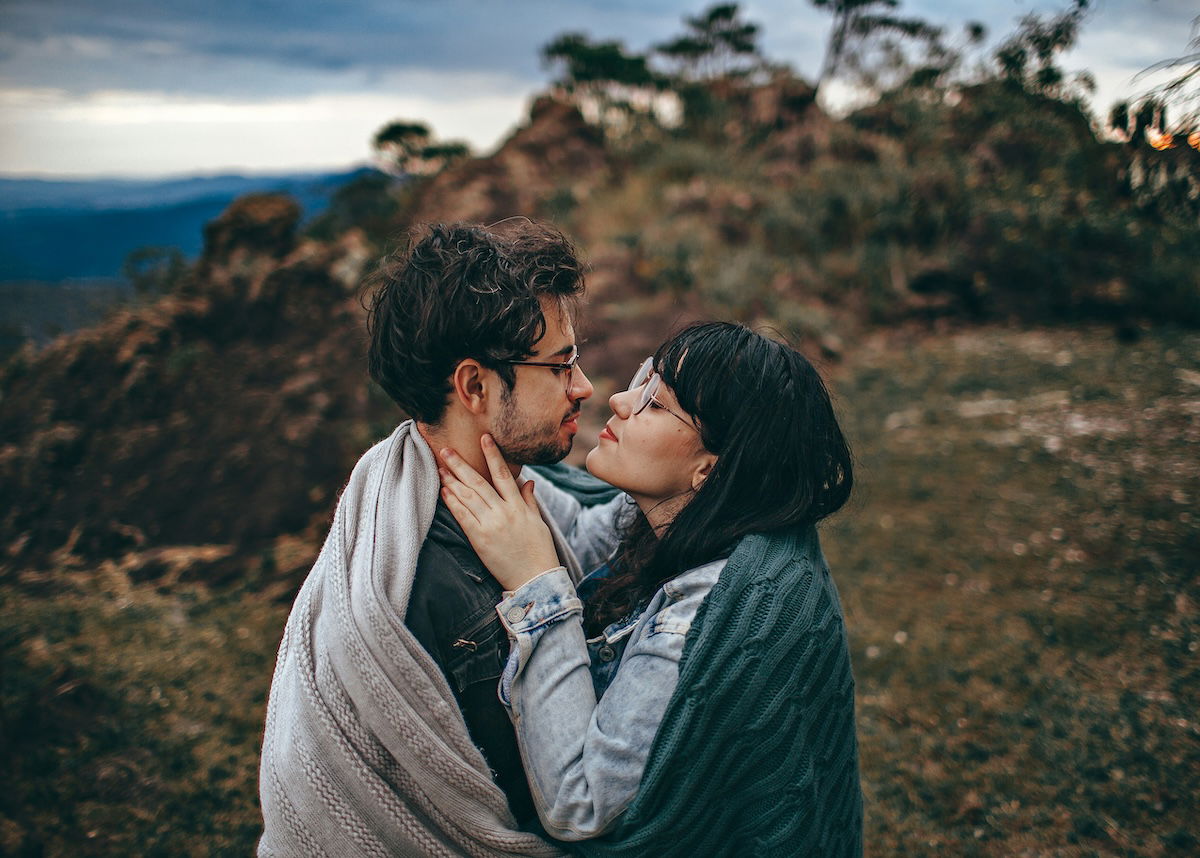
(494, 658)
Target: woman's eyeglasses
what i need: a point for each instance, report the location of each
(649, 381)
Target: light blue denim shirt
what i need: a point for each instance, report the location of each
(592, 532)
(585, 733)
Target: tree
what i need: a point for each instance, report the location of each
(717, 44)
(1027, 58)
(857, 24)
(596, 65)
(409, 147)
(399, 141)
(614, 89)
(1164, 155)
(1183, 90)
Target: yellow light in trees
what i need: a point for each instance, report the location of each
(1194, 139)
(1158, 140)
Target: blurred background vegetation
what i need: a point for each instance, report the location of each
(1001, 288)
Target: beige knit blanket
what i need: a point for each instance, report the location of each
(365, 751)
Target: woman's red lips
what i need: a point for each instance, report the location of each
(608, 433)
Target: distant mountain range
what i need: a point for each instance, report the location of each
(54, 231)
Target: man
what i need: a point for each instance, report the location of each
(364, 751)
(455, 283)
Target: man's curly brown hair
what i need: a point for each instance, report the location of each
(464, 291)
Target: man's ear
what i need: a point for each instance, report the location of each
(704, 466)
(472, 383)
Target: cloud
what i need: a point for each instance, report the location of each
(221, 47)
(162, 60)
(135, 134)
(88, 46)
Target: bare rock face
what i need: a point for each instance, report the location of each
(255, 225)
(245, 243)
(558, 151)
(224, 414)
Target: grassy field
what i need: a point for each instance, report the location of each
(1020, 578)
(1019, 571)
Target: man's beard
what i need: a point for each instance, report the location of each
(526, 444)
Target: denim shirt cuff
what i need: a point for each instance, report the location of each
(528, 612)
(539, 602)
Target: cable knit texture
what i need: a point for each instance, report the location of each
(365, 752)
(757, 752)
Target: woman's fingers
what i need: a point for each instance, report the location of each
(527, 491)
(463, 493)
(461, 512)
(468, 477)
(482, 511)
(502, 477)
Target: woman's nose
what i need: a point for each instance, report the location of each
(621, 403)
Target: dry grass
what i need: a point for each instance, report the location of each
(1020, 575)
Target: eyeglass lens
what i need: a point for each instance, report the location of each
(569, 372)
(649, 378)
(643, 374)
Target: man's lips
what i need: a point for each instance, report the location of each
(572, 421)
(608, 433)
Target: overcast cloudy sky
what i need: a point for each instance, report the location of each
(156, 87)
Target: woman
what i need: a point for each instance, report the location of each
(709, 707)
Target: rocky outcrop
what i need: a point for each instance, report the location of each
(557, 152)
(221, 415)
(200, 430)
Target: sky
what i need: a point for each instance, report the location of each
(144, 88)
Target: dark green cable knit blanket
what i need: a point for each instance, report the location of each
(757, 753)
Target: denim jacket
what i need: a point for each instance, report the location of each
(585, 729)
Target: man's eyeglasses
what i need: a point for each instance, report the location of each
(649, 380)
(566, 368)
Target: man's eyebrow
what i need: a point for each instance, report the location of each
(564, 351)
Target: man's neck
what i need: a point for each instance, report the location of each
(462, 439)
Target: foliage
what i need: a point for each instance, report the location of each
(624, 91)
(1027, 58)
(978, 193)
(1163, 170)
(862, 25)
(717, 44)
(1183, 90)
(618, 91)
(596, 65)
(407, 147)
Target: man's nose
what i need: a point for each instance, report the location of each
(581, 385)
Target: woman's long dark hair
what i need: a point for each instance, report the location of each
(781, 458)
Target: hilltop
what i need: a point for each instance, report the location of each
(224, 413)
